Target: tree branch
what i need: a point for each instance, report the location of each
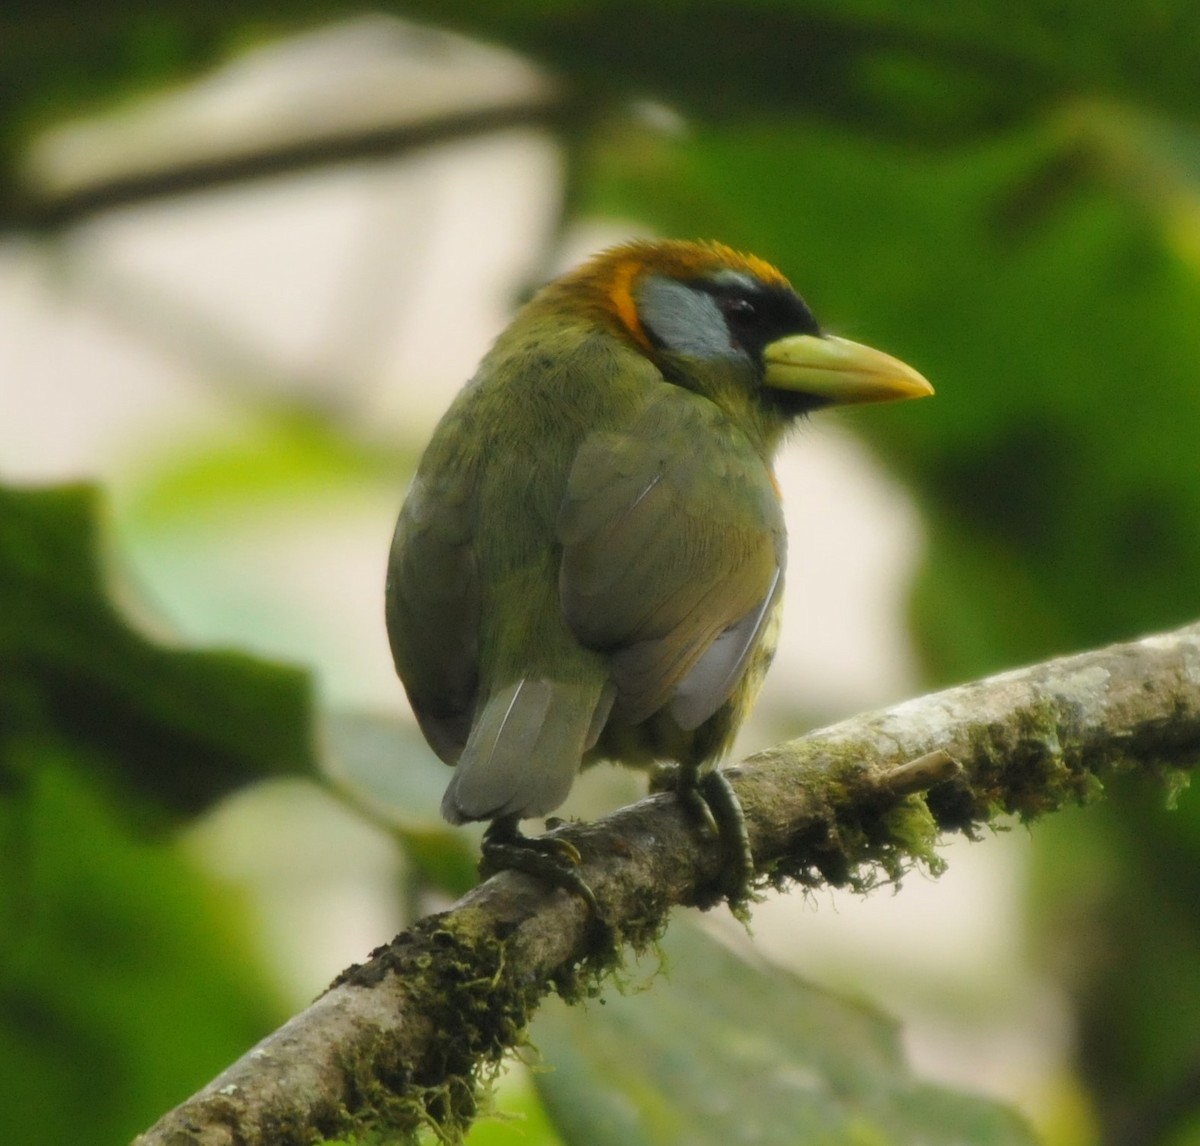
(404, 1038)
(40, 209)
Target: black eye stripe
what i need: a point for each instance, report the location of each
(757, 314)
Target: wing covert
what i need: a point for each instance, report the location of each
(673, 551)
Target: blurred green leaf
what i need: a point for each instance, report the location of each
(181, 728)
(718, 1050)
(125, 981)
(282, 454)
(1127, 869)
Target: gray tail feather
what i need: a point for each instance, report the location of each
(524, 751)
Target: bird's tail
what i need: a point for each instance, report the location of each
(525, 748)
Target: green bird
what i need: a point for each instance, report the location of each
(590, 560)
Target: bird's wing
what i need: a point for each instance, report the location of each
(673, 553)
(433, 605)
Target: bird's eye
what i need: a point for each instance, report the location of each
(738, 309)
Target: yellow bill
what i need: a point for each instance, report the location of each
(840, 371)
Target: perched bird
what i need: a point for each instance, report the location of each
(590, 560)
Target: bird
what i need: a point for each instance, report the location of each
(589, 561)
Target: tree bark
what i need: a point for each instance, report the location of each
(405, 1038)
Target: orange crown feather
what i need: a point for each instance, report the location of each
(605, 282)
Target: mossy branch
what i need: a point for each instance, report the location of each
(404, 1039)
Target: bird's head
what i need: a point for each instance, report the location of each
(730, 326)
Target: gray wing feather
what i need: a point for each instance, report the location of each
(717, 672)
(524, 751)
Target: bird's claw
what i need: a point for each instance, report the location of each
(711, 800)
(549, 858)
(698, 807)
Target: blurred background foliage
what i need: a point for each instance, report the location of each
(1007, 195)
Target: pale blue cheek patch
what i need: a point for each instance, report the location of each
(684, 320)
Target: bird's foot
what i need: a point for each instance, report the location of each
(690, 790)
(556, 861)
(712, 802)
